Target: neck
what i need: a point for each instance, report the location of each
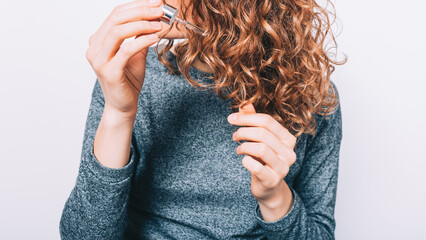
(197, 63)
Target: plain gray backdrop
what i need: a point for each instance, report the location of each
(46, 86)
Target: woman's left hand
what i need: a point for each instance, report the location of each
(270, 153)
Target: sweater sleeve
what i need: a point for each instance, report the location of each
(97, 205)
(312, 213)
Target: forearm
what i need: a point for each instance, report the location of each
(96, 207)
(113, 139)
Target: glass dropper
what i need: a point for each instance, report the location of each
(170, 16)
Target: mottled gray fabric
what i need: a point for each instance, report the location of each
(184, 179)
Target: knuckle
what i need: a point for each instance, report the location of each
(144, 23)
(126, 49)
(257, 169)
(285, 169)
(262, 148)
(143, 8)
(91, 39)
(267, 120)
(89, 54)
(293, 157)
(271, 120)
(117, 8)
(115, 31)
(294, 141)
(260, 132)
(290, 156)
(114, 15)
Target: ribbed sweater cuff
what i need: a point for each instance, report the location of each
(111, 175)
(284, 223)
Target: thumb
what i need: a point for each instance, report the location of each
(249, 108)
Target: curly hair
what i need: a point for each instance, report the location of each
(267, 52)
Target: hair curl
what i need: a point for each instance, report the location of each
(267, 52)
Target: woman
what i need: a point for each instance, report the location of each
(161, 158)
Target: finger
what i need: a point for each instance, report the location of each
(263, 172)
(136, 3)
(265, 121)
(263, 152)
(247, 109)
(144, 12)
(119, 33)
(131, 48)
(259, 134)
(133, 11)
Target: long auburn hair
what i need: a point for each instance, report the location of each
(267, 52)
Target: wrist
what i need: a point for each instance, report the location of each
(112, 143)
(112, 117)
(278, 205)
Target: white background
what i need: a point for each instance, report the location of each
(46, 84)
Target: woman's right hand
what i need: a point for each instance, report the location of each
(120, 68)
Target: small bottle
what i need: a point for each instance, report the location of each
(170, 16)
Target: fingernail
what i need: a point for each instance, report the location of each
(156, 24)
(156, 10)
(154, 1)
(232, 117)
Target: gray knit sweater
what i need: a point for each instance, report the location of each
(184, 179)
